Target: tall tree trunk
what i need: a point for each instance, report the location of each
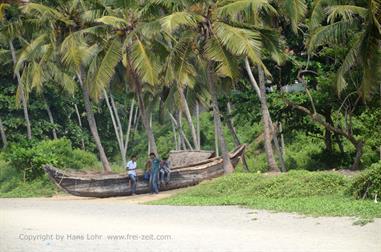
(198, 123)
(233, 131)
(51, 119)
(119, 137)
(22, 94)
(228, 167)
(188, 116)
(93, 125)
(150, 125)
(282, 146)
(3, 135)
(328, 133)
(129, 128)
(216, 147)
(182, 136)
(265, 116)
(143, 112)
(80, 125)
(177, 125)
(175, 135)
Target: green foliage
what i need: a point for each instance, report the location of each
(312, 193)
(12, 183)
(368, 183)
(29, 158)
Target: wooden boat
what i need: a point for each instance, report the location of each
(110, 185)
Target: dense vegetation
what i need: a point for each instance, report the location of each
(297, 81)
(319, 194)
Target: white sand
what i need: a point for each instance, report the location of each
(38, 224)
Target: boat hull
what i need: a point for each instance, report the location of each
(112, 185)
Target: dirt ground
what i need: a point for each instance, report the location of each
(68, 223)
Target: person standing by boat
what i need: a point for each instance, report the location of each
(154, 177)
(131, 167)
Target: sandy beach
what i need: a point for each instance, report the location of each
(68, 223)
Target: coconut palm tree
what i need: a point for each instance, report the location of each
(11, 29)
(137, 32)
(357, 23)
(216, 43)
(66, 42)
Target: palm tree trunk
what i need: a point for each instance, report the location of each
(93, 125)
(267, 122)
(150, 125)
(119, 137)
(80, 124)
(233, 131)
(143, 114)
(3, 135)
(22, 94)
(177, 125)
(228, 167)
(198, 123)
(189, 118)
(51, 119)
(216, 148)
(180, 129)
(129, 127)
(265, 115)
(175, 135)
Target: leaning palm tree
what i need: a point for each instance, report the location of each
(139, 36)
(216, 43)
(261, 16)
(357, 24)
(70, 46)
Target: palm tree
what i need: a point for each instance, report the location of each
(10, 30)
(90, 61)
(216, 43)
(357, 24)
(138, 31)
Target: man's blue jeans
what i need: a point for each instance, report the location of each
(133, 183)
(153, 183)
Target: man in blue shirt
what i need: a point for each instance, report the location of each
(154, 178)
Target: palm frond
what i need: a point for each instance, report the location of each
(240, 42)
(37, 77)
(273, 43)
(41, 10)
(71, 51)
(227, 64)
(232, 8)
(116, 22)
(345, 12)
(107, 66)
(143, 63)
(31, 51)
(295, 10)
(173, 21)
(335, 33)
(61, 77)
(318, 12)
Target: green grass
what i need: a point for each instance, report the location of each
(310, 193)
(12, 184)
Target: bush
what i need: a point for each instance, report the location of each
(29, 158)
(368, 183)
(287, 185)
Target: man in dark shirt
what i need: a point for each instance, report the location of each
(154, 178)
